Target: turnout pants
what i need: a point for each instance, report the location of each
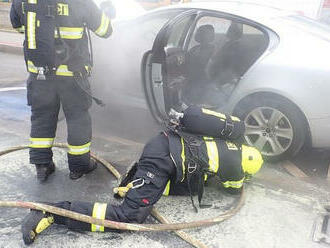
(155, 168)
(45, 98)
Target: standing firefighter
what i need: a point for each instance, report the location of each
(58, 58)
(176, 162)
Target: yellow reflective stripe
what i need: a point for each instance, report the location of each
(234, 118)
(44, 224)
(103, 28)
(62, 9)
(205, 177)
(32, 1)
(63, 70)
(31, 67)
(183, 158)
(233, 184)
(20, 29)
(31, 30)
(41, 142)
(167, 188)
(70, 33)
(219, 115)
(79, 150)
(99, 211)
(212, 153)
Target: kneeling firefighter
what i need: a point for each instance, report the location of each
(175, 162)
(58, 56)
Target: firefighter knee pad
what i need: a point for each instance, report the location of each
(148, 190)
(135, 213)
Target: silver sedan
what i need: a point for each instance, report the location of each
(267, 66)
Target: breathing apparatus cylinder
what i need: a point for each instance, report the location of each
(210, 123)
(39, 33)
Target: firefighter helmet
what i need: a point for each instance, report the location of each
(251, 160)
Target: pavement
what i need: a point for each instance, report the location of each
(281, 209)
(11, 41)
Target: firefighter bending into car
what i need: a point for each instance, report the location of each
(58, 59)
(202, 144)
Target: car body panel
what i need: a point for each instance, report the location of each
(294, 66)
(301, 77)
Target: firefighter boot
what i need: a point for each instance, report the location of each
(44, 170)
(74, 175)
(35, 223)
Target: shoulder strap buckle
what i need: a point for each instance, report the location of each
(228, 128)
(191, 167)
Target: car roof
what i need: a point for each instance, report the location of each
(263, 14)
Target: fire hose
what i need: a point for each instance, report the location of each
(165, 226)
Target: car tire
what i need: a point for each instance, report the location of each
(274, 125)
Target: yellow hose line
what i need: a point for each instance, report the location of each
(121, 225)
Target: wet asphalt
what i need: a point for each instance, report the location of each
(280, 210)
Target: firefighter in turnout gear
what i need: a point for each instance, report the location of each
(174, 162)
(58, 57)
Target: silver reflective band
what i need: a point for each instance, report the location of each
(233, 184)
(70, 33)
(41, 142)
(31, 29)
(213, 154)
(99, 212)
(79, 150)
(103, 28)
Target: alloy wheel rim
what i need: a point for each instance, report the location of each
(269, 130)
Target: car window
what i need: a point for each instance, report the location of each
(178, 32)
(211, 61)
(151, 25)
(249, 30)
(146, 27)
(226, 48)
(220, 26)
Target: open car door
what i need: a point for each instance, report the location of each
(167, 46)
(198, 58)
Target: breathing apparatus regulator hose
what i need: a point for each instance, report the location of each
(120, 225)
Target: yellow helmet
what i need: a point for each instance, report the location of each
(251, 160)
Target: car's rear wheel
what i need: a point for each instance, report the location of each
(274, 125)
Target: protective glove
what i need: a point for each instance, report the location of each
(108, 8)
(20, 30)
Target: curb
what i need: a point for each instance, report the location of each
(11, 48)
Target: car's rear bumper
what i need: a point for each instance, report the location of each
(320, 132)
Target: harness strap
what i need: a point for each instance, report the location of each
(190, 192)
(200, 169)
(200, 166)
(227, 131)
